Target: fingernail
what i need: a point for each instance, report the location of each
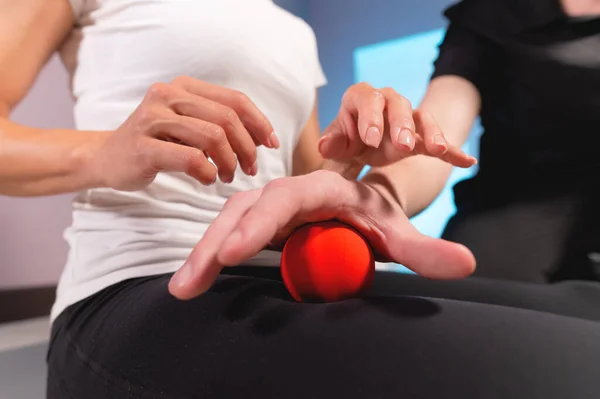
(183, 275)
(474, 160)
(228, 180)
(439, 140)
(322, 140)
(273, 141)
(405, 138)
(251, 170)
(333, 145)
(373, 137)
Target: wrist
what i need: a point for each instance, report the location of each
(384, 187)
(87, 162)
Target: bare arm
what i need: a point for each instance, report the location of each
(36, 161)
(416, 181)
(176, 127)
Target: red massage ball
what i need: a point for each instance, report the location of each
(326, 262)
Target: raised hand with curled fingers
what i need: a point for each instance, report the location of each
(378, 127)
(177, 128)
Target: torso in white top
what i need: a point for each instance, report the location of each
(121, 47)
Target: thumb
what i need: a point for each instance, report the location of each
(338, 146)
(333, 145)
(433, 258)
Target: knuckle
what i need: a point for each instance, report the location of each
(405, 102)
(146, 115)
(193, 158)
(181, 81)
(229, 119)
(357, 90)
(277, 184)
(240, 99)
(159, 91)
(363, 86)
(237, 198)
(215, 136)
(377, 95)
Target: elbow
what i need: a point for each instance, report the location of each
(5, 110)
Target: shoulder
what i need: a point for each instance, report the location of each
(298, 32)
(291, 22)
(500, 19)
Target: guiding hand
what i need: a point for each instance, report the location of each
(177, 128)
(253, 220)
(379, 127)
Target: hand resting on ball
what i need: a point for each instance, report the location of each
(253, 220)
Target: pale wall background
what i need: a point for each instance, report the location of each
(32, 250)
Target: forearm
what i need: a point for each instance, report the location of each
(37, 162)
(416, 181)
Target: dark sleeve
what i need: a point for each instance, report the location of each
(472, 46)
(467, 54)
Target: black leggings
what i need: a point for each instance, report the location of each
(410, 338)
(542, 240)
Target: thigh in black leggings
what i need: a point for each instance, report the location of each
(410, 338)
(541, 240)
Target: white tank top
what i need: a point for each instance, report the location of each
(117, 50)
